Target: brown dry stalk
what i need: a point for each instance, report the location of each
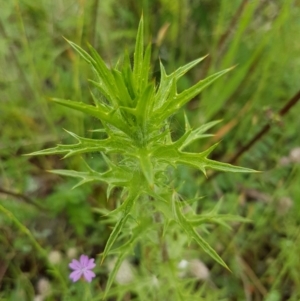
(292, 102)
(226, 34)
(23, 197)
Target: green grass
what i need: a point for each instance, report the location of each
(40, 213)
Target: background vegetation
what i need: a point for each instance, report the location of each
(261, 37)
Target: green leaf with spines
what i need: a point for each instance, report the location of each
(146, 67)
(135, 115)
(105, 76)
(82, 53)
(128, 204)
(163, 89)
(144, 105)
(112, 275)
(184, 69)
(138, 57)
(125, 250)
(102, 89)
(87, 145)
(116, 176)
(217, 219)
(174, 103)
(187, 95)
(147, 166)
(178, 144)
(127, 75)
(192, 233)
(173, 156)
(198, 133)
(101, 112)
(216, 165)
(101, 70)
(167, 81)
(125, 98)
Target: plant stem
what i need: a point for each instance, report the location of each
(293, 101)
(38, 247)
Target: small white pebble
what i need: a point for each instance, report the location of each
(295, 155)
(182, 267)
(155, 281)
(72, 253)
(284, 161)
(43, 287)
(125, 272)
(284, 205)
(55, 257)
(198, 269)
(38, 298)
(183, 264)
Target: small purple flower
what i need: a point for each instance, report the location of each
(82, 268)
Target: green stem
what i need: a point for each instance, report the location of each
(42, 252)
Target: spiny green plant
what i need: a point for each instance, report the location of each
(135, 114)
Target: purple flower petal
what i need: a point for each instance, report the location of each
(75, 264)
(75, 275)
(88, 275)
(83, 260)
(91, 264)
(83, 268)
